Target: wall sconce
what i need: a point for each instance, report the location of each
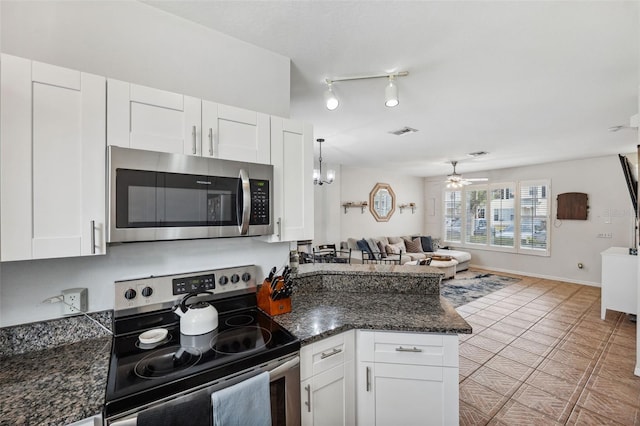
(412, 206)
(390, 92)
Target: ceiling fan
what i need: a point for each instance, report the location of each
(455, 180)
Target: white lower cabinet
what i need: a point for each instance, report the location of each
(328, 378)
(406, 378)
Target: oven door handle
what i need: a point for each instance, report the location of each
(246, 202)
(282, 368)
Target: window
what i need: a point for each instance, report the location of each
(452, 216)
(476, 223)
(508, 217)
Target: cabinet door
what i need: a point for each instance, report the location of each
(292, 158)
(415, 394)
(235, 134)
(145, 118)
(52, 161)
(327, 398)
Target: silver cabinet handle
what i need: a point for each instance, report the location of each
(93, 237)
(193, 135)
(368, 379)
(308, 401)
(246, 202)
(279, 223)
(210, 141)
(332, 353)
(403, 349)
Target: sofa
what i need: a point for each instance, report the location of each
(402, 250)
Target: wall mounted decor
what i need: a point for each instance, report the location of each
(573, 206)
(382, 202)
(411, 206)
(351, 204)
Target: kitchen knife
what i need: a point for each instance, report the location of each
(271, 274)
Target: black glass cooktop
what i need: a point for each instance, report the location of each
(140, 373)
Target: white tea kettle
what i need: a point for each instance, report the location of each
(198, 318)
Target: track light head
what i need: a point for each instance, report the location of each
(330, 99)
(391, 93)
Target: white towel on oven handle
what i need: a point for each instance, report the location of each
(245, 403)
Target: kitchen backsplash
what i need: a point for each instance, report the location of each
(47, 334)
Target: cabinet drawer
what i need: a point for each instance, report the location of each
(408, 348)
(326, 354)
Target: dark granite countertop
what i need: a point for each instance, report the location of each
(44, 381)
(331, 298)
(55, 372)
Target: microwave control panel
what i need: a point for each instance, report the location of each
(259, 202)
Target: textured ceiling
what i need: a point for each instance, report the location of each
(528, 82)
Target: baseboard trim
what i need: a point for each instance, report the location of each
(546, 277)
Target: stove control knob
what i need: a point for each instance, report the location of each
(130, 294)
(147, 291)
(223, 280)
(235, 278)
(246, 277)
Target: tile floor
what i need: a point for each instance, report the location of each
(540, 355)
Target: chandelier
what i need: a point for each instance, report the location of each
(317, 173)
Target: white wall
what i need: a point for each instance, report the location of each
(357, 183)
(135, 42)
(25, 284)
(572, 241)
(327, 206)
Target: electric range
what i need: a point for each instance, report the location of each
(143, 374)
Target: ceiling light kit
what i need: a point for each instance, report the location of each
(317, 173)
(390, 91)
(455, 180)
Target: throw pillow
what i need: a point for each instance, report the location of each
(363, 246)
(395, 248)
(383, 251)
(394, 240)
(413, 246)
(427, 244)
(374, 247)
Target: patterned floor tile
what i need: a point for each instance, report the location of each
(467, 366)
(510, 367)
(539, 337)
(555, 385)
(583, 417)
(512, 330)
(474, 353)
(615, 389)
(485, 343)
(579, 349)
(608, 407)
(531, 346)
(514, 413)
(469, 416)
(481, 398)
(572, 359)
(496, 381)
(516, 321)
(520, 355)
(495, 334)
(562, 371)
(551, 406)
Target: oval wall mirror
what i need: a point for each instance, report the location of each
(382, 202)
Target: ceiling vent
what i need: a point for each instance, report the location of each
(477, 154)
(403, 131)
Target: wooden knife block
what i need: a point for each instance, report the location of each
(273, 307)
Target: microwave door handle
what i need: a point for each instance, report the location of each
(246, 202)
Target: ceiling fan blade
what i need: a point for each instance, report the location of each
(477, 179)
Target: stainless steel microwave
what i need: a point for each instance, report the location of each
(160, 196)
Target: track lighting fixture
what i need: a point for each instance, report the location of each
(390, 92)
(330, 98)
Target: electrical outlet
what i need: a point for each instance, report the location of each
(605, 235)
(75, 301)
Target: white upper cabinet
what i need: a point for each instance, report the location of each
(156, 120)
(234, 133)
(292, 159)
(52, 161)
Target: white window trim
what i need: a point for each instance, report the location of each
(517, 185)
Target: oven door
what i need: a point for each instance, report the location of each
(284, 394)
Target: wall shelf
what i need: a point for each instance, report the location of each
(351, 204)
(411, 206)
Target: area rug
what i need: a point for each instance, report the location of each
(468, 286)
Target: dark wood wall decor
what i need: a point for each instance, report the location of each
(573, 206)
